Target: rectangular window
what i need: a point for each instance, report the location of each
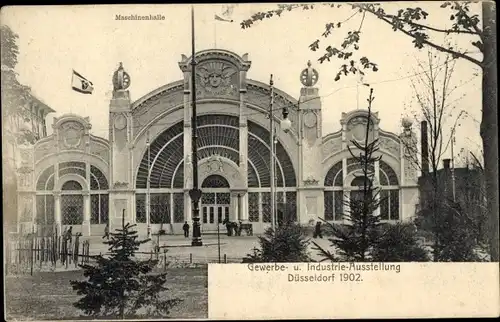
(253, 206)
(205, 215)
(328, 201)
(291, 205)
(104, 208)
(140, 208)
(384, 204)
(394, 204)
(219, 214)
(339, 205)
(227, 213)
(95, 209)
(266, 207)
(179, 207)
(211, 215)
(160, 208)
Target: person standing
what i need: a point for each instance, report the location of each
(317, 230)
(185, 227)
(106, 231)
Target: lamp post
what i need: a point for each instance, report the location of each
(285, 126)
(195, 192)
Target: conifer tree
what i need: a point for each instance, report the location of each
(120, 285)
(354, 240)
(286, 244)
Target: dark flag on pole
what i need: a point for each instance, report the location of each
(81, 84)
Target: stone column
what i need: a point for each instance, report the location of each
(86, 214)
(234, 207)
(244, 207)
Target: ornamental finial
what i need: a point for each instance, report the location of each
(309, 76)
(121, 79)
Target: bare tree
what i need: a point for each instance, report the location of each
(436, 106)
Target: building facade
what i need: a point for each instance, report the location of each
(144, 170)
(22, 128)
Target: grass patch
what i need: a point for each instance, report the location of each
(49, 295)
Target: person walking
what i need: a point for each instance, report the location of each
(317, 230)
(185, 227)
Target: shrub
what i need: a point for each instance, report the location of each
(399, 244)
(287, 244)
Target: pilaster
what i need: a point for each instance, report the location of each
(310, 192)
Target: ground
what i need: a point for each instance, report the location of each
(49, 296)
(179, 248)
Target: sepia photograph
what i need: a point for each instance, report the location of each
(144, 146)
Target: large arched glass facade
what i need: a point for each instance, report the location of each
(338, 192)
(71, 195)
(218, 134)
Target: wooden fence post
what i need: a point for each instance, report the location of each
(31, 264)
(190, 258)
(225, 259)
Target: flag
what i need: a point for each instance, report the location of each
(81, 84)
(226, 14)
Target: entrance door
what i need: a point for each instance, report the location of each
(214, 209)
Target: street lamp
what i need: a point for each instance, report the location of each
(195, 193)
(285, 125)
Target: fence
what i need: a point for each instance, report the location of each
(30, 253)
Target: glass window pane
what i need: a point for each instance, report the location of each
(328, 201)
(219, 214)
(384, 205)
(339, 205)
(72, 209)
(211, 215)
(266, 207)
(140, 208)
(394, 204)
(205, 209)
(178, 207)
(253, 206)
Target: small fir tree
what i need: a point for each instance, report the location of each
(120, 285)
(353, 241)
(286, 244)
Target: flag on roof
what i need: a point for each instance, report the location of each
(226, 14)
(81, 84)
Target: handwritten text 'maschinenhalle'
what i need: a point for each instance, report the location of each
(338, 267)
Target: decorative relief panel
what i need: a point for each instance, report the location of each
(390, 145)
(71, 135)
(217, 79)
(356, 129)
(409, 148)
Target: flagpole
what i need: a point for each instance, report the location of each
(194, 193)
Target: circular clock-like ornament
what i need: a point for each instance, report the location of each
(120, 122)
(309, 76)
(310, 120)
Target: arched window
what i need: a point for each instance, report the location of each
(99, 198)
(337, 196)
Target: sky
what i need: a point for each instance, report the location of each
(54, 40)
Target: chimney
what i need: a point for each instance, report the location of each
(424, 148)
(446, 164)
